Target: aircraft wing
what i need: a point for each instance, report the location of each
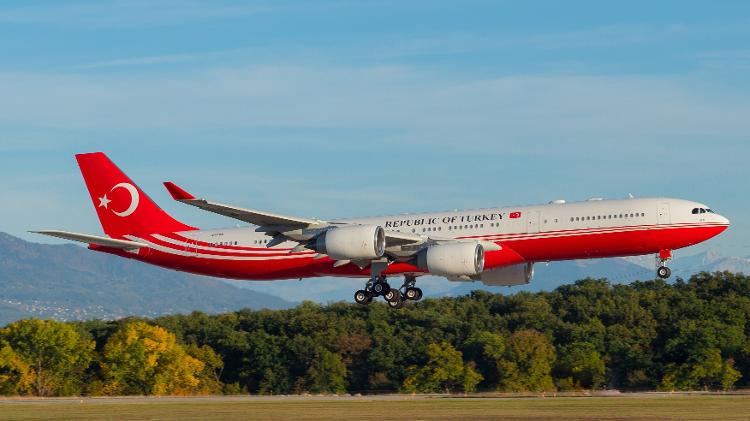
(250, 216)
(270, 221)
(395, 238)
(93, 239)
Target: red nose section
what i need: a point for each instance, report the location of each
(122, 207)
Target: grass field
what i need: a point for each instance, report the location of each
(635, 407)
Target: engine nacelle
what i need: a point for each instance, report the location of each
(519, 274)
(452, 260)
(352, 242)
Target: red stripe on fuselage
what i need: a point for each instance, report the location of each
(541, 246)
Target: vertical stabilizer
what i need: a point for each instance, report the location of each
(122, 207)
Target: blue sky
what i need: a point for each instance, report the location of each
(344, 108)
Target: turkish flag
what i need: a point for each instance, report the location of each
(514, 215)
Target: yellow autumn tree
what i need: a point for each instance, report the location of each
(16, 376)
(44, 357)
(140, 359)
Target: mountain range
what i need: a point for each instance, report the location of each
(69, 282)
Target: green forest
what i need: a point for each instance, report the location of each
(648, 335)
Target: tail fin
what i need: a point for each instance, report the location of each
(123, 208)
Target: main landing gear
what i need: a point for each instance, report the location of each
(378, 286)
(662, 270)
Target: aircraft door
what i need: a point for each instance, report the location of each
(532, 221)
(662, 213)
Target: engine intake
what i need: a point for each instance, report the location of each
(452, 260)
(352, 242)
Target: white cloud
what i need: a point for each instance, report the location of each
(609, 108)
(136, 61)
(129, 13)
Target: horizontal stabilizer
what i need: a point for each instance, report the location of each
(93, 239)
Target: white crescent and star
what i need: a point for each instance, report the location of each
(134, 199)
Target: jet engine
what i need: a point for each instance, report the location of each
(519, 274)
(452, 260)
(352, 242)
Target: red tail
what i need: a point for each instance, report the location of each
(123, 208)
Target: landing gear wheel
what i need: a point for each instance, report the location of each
(362, 297)
(664, 272)
(399, 303)
(413, 293)
(380, 287)
(392, 295)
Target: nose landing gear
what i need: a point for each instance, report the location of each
(662, 270)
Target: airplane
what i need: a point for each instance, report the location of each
(497, 246)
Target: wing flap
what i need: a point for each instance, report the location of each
(93, 239)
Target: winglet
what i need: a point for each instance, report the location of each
(177, 192)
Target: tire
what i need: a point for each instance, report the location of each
(413, 294)
(392, 295)
(379, 288)
(664, 272)
(396, 304)
(419, 294)
(362, 297)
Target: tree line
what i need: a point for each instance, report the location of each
(685, 335)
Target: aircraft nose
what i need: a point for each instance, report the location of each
(724, 220)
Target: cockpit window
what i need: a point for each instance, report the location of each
(703, 210)
(709, 211)
(695, 211)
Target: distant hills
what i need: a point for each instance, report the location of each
(69, 282)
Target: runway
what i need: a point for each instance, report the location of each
(603, 406)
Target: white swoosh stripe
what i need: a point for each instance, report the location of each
(177, 252)
(208, 248)
(533, 236)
